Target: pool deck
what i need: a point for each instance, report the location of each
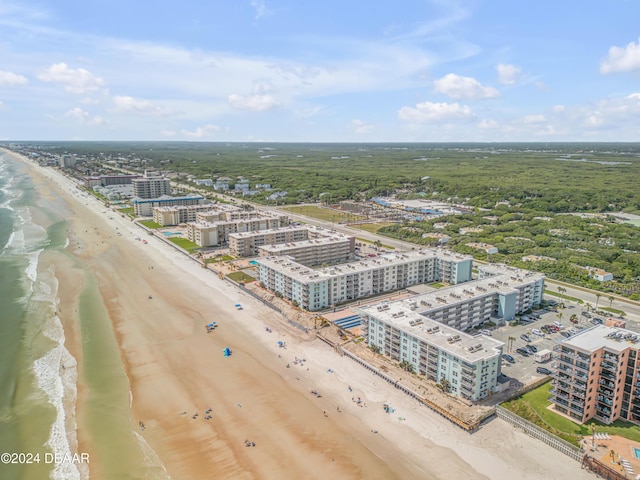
(621, 446)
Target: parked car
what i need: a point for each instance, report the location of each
(525, 337)
(522, 352)
(543, 371)
(508, 358)
(486, 332)
(535, 331)
(599, 321)
(533, 348)
(565, 334)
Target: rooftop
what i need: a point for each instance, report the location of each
(612, 338)
(404, 316)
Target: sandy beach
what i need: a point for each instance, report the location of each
(176, 369)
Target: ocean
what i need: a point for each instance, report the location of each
(38, 375)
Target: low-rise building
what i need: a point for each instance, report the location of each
(489, 249)
(209, 234)
(177, 214)
(143, 207)
(327, 250)
(467, 366)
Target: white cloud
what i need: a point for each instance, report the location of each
(360, 126)
(256, 103)
(84, 118)
(458, 87)
(558, 108)
(201, 132)
(428, 112)
(168, 133)
(78, 81)
(486, 124)
(508, 74)
(12, 79)
(533, 119)
(2, 106)
(261, 8)
(126, 104)
(622, 59)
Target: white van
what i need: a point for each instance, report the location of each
(486, 332)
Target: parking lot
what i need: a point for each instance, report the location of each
(524, 368)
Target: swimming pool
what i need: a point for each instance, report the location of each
(636, 452)
(253, 262)
(170, 234)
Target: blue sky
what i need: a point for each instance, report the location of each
(311, 71)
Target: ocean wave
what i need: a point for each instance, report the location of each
(155, 469)
(56, 376)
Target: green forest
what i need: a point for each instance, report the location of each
(522, 195)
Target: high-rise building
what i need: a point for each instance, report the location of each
(597, 375)
(151, 186)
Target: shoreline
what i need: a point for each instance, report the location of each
(167, 355)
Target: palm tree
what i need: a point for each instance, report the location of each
(598, 295)
(510, 343)
(573, 319)
(611, 298)
(562, 291)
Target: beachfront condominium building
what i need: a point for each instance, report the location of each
(317, 289)
(143, 207)
(209, 234)
(499, 294)
(246, 244)
(597, 375)
(151, 186)
(468, 366)
(177, 214)
(335, 248)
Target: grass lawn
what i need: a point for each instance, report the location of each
(326, 214)
(437, 285)
(126, 210)
(219, 258)
(563, 297)
(150, 224)
(186, 244)
(612, 310)
(382, 245)
(241, 277)
(372, 227)
(533, 405)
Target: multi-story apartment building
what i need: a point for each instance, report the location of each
(500, 294)
(468, 365)
(175, 215)
(107, 180)
(336, 248)
(209, 234)
(151, 186)
(597, 375)
(317, 289)
(246, 244)
(143, 207)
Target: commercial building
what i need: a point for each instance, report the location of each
(177, 214)
(468, 366)
(317, 289)
(597, 375)
(209, 234)
(151, 186)
(143, 207)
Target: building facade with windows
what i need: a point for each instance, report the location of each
(209, 234)
(143, 207)
(246, 244)
(467, 366)
(175, 215)
(317, 289)
(597, 375)
(151, 186)
(335, 248)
